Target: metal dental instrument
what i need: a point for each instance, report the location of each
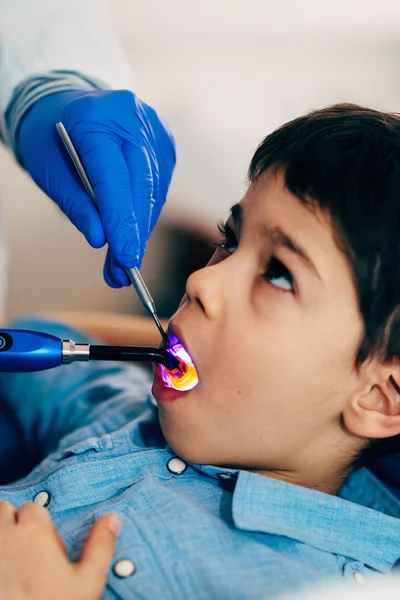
(133, 274)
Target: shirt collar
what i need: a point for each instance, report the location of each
(361, 523)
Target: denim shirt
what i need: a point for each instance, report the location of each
(188, 531)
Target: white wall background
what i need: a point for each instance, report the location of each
(223, 74)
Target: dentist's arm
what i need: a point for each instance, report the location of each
(58, 60)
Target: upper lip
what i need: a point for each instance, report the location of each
(175, 330)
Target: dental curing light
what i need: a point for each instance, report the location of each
(23, 351)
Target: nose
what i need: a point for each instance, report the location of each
(211, 287)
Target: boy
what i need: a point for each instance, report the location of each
(293, 326)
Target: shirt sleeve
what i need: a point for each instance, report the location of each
(48, 405)
(52, 45)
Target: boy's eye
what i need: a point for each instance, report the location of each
(278, 275)
(228, 242)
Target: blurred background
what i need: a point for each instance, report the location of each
(223, 74)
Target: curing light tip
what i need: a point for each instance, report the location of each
(184, 376)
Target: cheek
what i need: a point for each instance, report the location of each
(241, 366)
(290, 359)
(280, 365)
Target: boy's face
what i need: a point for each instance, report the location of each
(273, 326)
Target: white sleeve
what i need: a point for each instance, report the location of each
(50, 45)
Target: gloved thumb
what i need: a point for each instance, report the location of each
(98, 552)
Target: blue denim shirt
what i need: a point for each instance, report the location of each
(206, 532)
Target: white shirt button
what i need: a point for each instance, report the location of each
(124, 568)
(176, 465)
(42, 498)
(358, 578)
(226, 475)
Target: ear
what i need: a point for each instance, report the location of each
(374, 411)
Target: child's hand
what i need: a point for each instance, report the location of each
(33, 562)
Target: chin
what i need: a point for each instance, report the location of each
(185, 443)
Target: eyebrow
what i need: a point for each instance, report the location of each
(278, 237)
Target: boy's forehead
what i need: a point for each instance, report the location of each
(268, 202)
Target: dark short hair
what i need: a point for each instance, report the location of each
(345, 160)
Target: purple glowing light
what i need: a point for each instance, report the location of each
(189, 379)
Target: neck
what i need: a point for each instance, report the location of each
(322, 466)
(323, 483)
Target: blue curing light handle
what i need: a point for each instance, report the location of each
(23, 351)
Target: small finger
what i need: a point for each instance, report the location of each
(8, 513)
(98, 551)
(37, 516)
(33, 513)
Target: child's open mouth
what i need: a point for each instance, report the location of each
(184, 379)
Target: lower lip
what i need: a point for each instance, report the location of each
(162, 393)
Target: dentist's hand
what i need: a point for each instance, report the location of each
(129, 156)
(33, 563)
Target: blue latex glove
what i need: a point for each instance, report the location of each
(129, 156)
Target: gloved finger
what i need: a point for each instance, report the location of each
(80, 210)
(107, 170)
(155, 215)
(68, 192)
(114, 275)
(166, 159)
(141, 170)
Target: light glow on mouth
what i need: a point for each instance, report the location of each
(174, 378)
